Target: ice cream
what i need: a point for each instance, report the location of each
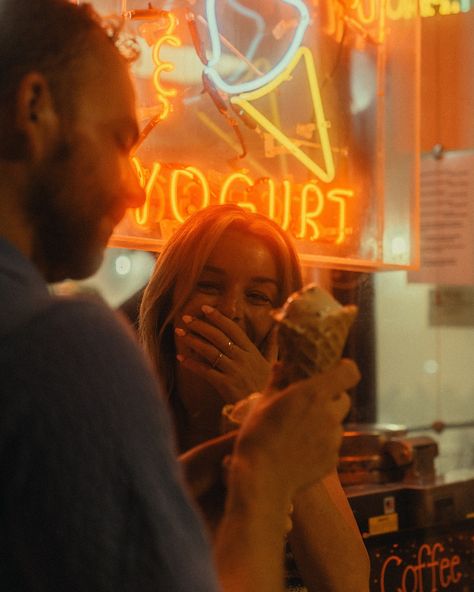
(312, 331)
(313, 328)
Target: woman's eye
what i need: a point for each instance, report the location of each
(208, 287)
(259, 298)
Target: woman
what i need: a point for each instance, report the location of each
(205, 323)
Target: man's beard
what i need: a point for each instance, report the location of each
(63, 240)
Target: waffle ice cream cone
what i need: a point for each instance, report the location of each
(312, 332)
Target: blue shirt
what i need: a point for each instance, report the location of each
(91, 496)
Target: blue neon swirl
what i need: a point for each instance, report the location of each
(216, 51)
(260, 24)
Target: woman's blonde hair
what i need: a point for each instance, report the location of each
(183, 259)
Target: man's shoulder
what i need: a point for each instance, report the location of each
(83, 315)
(77, 336)
(76, 355)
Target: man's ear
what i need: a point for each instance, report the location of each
(36, 116)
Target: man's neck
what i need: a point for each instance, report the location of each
(14, 226)
(15, 232)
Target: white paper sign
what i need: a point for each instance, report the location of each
(446, 220)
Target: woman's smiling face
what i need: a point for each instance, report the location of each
(240, 280)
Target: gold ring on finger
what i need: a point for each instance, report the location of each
(217, 360)
(230, 345)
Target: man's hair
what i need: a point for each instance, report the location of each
(45, 36)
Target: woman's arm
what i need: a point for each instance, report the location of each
(325, 540)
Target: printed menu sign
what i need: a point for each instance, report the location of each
(446, 220)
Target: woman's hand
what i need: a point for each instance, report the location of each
(225, 356)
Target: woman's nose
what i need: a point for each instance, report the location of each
(231, 305)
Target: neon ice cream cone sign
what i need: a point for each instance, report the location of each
(263, 129)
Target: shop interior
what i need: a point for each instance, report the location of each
(408, 134)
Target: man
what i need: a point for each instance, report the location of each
(91, 496)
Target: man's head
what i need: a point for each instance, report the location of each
(67, 123)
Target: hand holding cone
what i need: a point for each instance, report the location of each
(312, 331)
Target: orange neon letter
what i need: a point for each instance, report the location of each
(399, 9)
(456, 577)
(285, 218)
(270, 193)
(228, 182)
(189, 173)
(340, 196)
(307, 217)
(427, 8)
(142, 214)
(271, 198)
(397, 561)
(368, 18)
(165, 93)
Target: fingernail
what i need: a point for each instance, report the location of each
(187, 318)
(207, 309)
(180, 331)
(180, 358)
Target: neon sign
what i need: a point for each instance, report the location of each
(250, 103)
(245, 102)
(258, 88)
(302, 209)
(367, 12)
(164, 93)
(442, 572)
(266, 78)
(363, 15)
